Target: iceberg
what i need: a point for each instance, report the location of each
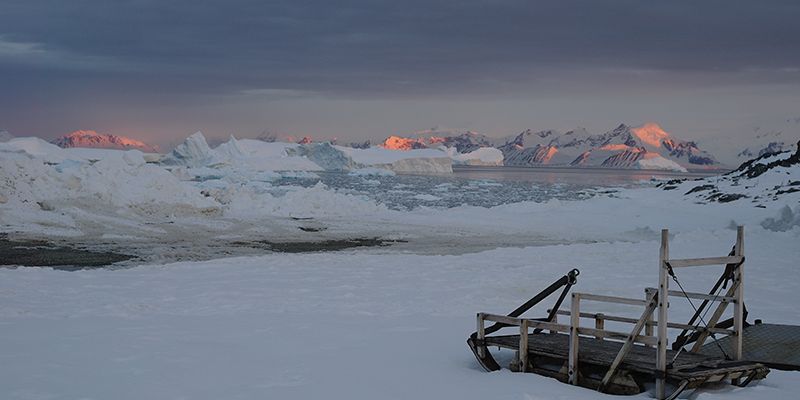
(193, 152)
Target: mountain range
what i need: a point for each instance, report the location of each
(777, 138)
(625, 146)
(98, 140)
(646, 146)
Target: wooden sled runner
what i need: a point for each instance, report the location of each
(625, 362)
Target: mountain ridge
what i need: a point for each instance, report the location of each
(622, 147)
(97, 140)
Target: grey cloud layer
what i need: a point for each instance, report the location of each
(391, 47)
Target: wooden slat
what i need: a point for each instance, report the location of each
(650, 323)
(503, 319)
(601, 353)
(701, 296)
(597, 333)
(612, 299)
(511, 321)
(532, 323)
(697, 262)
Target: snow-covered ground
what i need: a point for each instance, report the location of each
(356, 325)
(388, 322)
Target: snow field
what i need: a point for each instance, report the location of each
(358, 325)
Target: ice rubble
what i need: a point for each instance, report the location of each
(30, 178)
(786, 220)
(62, 191)
(371, 172)
(48, 190)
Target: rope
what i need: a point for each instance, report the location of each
(702, 319)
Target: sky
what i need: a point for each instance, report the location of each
(712, 71)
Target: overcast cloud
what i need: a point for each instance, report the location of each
(163, 67)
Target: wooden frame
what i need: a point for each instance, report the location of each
(734, 295)
(650, 329)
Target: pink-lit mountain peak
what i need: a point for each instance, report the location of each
(651, 134)
(97, 140)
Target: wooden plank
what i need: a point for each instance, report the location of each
(612, 299)
(663, 299)
(604, 334)
(503, 319)
(651, 305)
(532, 323)
(640, 358)
(697, 262)
(574, 341)
(701, 296)
(650, 323)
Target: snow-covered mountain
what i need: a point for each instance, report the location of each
(98, 140)
(463, 141)
(647, 146)
(644, 147)
(772, 141)
(768, 178)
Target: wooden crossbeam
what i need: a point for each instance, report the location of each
(700, 296)
(612, 299)
(650, 323)
(698, 262)
(602, 333)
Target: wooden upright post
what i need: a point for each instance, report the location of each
(481, 335)
(575, 321)
(523, 345)
(663, 303)
(648, 328)
(738, 307)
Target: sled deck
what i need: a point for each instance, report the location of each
(626, 362)
(776, 346)
(548, 355)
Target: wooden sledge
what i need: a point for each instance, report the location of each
(625, 362)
